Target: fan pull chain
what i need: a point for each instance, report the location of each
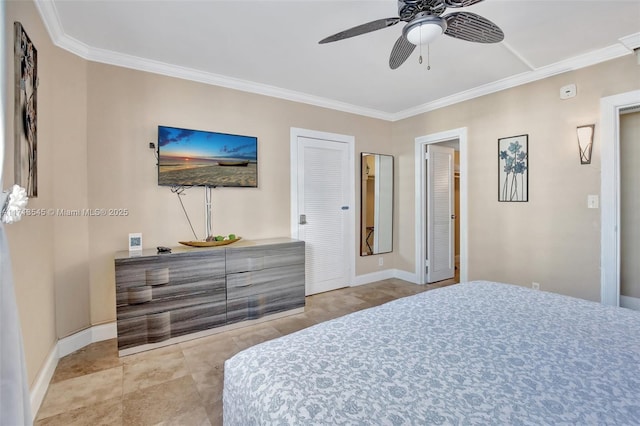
(420, 58)
(428, 57)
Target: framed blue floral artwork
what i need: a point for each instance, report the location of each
(513, 168)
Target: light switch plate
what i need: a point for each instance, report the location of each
(592, 201)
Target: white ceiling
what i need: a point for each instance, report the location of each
(271, 46)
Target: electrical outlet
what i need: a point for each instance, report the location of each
(535, 285)
(380, 261)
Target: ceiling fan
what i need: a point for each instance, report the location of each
(425, 23)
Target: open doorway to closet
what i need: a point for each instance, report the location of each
(630, 207)
(617, 198)
(441, 206)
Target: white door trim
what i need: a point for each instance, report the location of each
(420, 201)
(610, 107)
(350, 141)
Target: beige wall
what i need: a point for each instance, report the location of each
(31, 240)
(49, 254)
(70, 189)
(124, 109)
(630, 204)
(552, 239)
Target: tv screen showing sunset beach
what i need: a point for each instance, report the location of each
(202, 158)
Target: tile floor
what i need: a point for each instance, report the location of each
(182, 384)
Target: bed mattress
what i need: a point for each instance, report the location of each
(473, 353)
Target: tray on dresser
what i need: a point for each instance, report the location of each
(209, 243)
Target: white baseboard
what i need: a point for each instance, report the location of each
(64, 347)
(85, 337)
(406, 276)
(373, 277)
(74, 342)
(630, 302)
(40, 386)
(104, 332)
(384, 275)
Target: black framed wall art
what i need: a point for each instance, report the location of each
(26, 112)
(513, 168)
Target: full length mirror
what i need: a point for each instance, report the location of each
(376, 220)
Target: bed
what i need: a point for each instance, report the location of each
(473, 353)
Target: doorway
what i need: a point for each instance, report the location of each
(322, 212)
(610, 109)
(457, 138)
(629, 208)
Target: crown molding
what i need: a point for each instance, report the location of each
(572, 64)
(631, 42)
(52, 22)
(157, 67)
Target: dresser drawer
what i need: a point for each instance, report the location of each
(258, 305)
(198, 318)
(132, 332)
(216, 293)
(169, 269)
(251, 295)
(144, 294)
(266, 280)
(243, 259)
(157, 327)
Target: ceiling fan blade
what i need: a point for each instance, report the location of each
(361, 29)
(471, 27)
(402, 49)
(461, 3)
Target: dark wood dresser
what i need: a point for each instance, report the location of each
(166, 298)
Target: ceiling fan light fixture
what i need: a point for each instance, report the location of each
(424, 30)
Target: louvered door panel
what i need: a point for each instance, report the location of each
(324, 203)
(440, 207)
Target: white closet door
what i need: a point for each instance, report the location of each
(440, 213)
(323, 203)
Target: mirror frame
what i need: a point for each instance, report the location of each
(366, 232)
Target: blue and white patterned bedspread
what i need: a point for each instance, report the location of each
(473, 353)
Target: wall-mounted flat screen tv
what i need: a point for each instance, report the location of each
(201, 158)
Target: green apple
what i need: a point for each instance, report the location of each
(232, 236)
(219, 238)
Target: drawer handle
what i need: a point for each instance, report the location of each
(243, 285)
(158, 276)
(138, 295)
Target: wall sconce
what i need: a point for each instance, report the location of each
(585, 142)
